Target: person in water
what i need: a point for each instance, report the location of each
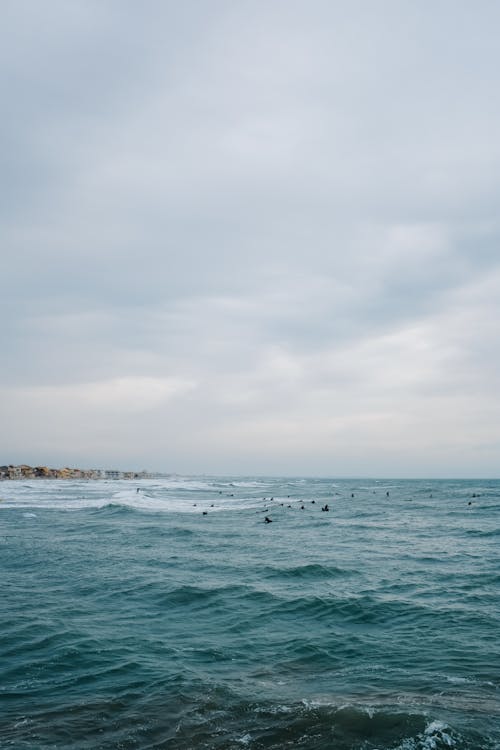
(267, 520)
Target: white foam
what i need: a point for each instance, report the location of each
(469, 681)
(434, 733)
(433, 737)
(435, 726)
(250, 485)
(245, 739)
(153, 496)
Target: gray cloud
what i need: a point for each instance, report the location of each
(264, 234)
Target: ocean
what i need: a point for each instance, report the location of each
(166, 613)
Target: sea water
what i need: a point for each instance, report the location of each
(168, 614)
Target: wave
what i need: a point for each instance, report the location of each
(482, 533)
(314, 571)
(145, 500)
(139, 623)
(197, 715)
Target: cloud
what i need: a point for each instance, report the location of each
(129, 395)
(252, 235)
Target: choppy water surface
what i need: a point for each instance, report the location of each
(174, 617)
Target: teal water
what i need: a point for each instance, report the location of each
(132, 620)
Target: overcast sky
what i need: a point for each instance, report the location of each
(251, 237)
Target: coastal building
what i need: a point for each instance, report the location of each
(23, 471)
(113, 474)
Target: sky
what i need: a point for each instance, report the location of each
(253, 237)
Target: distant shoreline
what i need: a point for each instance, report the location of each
(23, 471)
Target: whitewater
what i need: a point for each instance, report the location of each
(166, 613)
